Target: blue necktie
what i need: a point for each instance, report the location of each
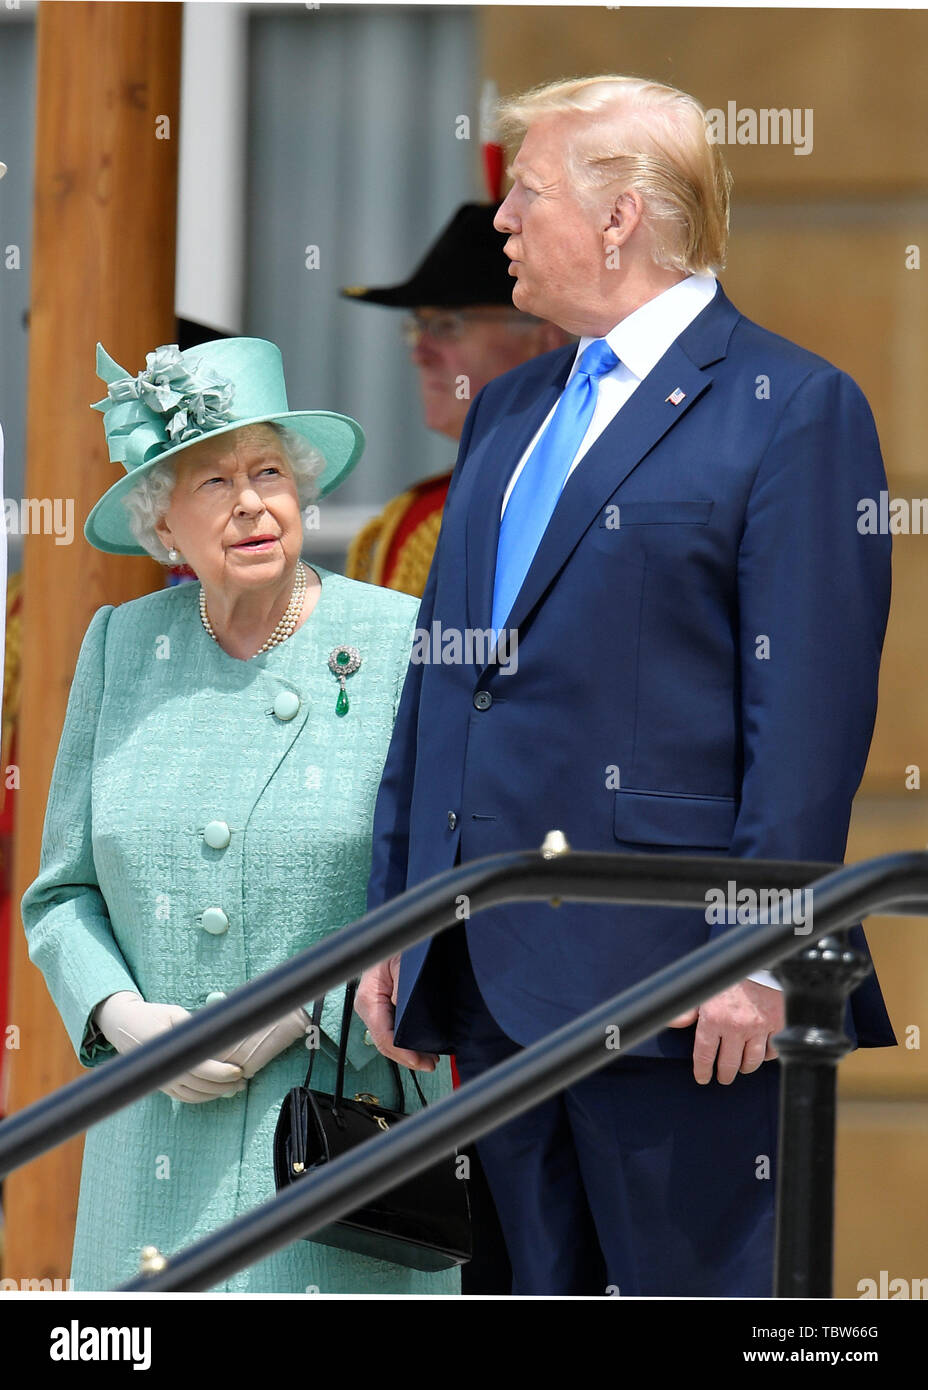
(539, 485)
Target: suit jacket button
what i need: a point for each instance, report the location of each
(286, 704)
(483, 699)
(217, 834)
(452, 820)
(215, 921)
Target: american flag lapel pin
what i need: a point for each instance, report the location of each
(676, 396)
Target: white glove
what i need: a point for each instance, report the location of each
(255, 1051)
(127, 1021)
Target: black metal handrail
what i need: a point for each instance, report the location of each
(671, 881)
(897, 883)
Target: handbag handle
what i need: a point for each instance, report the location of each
(347, 1010)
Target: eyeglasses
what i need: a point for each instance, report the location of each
(450, 325)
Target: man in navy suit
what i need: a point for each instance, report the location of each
(661, 526)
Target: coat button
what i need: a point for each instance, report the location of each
(214, 996)
(215, 921)
(483, 699)
(286, 704)
(217, 834)
(452, 820)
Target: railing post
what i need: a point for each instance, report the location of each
(817, 982)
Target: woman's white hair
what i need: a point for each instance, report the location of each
(148, 501)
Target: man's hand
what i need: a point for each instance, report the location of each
(375, 1003)
(738, 1025)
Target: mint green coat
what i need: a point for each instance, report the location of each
(164, 733)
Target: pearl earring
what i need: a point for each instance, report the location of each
(173, 556)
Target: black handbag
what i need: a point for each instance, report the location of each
(424, 1223)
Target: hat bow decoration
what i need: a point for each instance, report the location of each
(171, 402)
(204, 392)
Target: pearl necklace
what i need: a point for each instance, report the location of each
(285, 627)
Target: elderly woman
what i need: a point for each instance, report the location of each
(211, 805)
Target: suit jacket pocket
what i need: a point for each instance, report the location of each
(615, 515)
(675, 820)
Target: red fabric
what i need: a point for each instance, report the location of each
(431, 499)
(4, 981)
(6, 875)
(493, 156)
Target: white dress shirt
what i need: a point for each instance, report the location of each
(639, 342)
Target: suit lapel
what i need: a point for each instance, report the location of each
(644, 419)
(501, 451)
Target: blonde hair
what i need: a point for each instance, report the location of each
(646, 137)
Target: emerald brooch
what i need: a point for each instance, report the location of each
(343, 661)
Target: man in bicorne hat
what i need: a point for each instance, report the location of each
(462, 332)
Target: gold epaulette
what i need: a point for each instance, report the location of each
(368, 551)
(415, 557)
(361, 550)
(11, 672)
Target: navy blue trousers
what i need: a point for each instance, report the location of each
(634, 1181)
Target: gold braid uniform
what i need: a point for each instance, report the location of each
(395, 549)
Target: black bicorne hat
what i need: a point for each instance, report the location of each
(465, 265)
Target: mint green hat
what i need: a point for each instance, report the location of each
(183, 397)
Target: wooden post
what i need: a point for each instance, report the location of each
(102, 268)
